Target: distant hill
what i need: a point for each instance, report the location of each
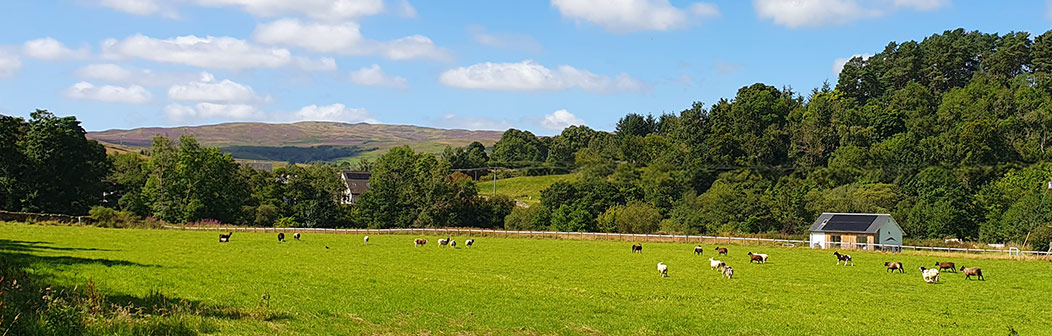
(305, 134)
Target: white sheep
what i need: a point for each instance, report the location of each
(714, 264)
(443, 242)
(453, 243)
(366, 239)
(662, 269)
(469, 242)
(728, 272)
(930, 275)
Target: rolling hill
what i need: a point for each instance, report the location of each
(305, 134)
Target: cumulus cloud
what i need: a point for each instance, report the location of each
(9, 64)
(141, 7)
(374, 76)
(207, 89)
(329, 10)
(205, 52)
(530, 76)
(521, 42)
(320, 64)
(114, 94)
(202, 111)
(558, 120)
(51, 49)
(334, 112)
(344, 38)
(814, 13)
(471, 123)
(623, 16)
(406, 10)
(109, 72)
(838, 64)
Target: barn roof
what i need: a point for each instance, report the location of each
(849, 222)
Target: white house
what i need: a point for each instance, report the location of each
(856, 230)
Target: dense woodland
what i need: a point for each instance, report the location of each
(951, 135)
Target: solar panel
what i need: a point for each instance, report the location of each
(858, 223)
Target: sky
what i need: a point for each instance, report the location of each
(489, 65)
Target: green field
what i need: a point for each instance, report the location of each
(523, 188)
(527, 286)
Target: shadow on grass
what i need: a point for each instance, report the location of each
(32, 246)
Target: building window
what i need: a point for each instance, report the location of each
(835, 240)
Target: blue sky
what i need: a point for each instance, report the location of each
(536, 65)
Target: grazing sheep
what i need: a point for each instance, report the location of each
(469, 242)
(714, 264)
(225, 237)
(443, 242)
(296, 235)
(895, 266)
(366, 239)
(843, 257)
(453, 243)
(637, 248)
(757, 257)
(931, 275)
(420, 242)
(721, 250)
(946, 265)
(281, 236)
(662, 270)
(698, 250)
(970, 271)
(728, 272)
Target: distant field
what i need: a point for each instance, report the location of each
(527, 286)
(525, 188)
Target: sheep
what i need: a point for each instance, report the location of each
(714, 264)
(453, 243)
(728, 272)
(281, 236)
(637, 248)
(469, 242)
(843, 257)
(894, 266)
(970, 271)
(946, 265)
(721, 250)
(931, 275)
(366, 239)
(225, 237)
(419, 242)
(662, 269)
(757, 257)
(296, 235)
(443, 242)
(698, 250)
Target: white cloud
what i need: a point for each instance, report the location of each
(510, 41)
(51, 49)
(814, 13)
(374, 76)
(320, 64)
(114, 94)
(205, 52)
(452, 121)
(530, 76)
(345, 39)
(334, 112)
(330, 10)
(558, 120)
(622, 16)
(9, 64)
(838, 64)
(202, 111)
(725, 68)
(128, 75)
(141, 7)
(207, 89)
(406, 10)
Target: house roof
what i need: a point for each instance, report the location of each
(849, 222)
(357, 182)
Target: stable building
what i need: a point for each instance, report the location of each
(856, 231)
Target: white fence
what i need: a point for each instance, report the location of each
(598, 235)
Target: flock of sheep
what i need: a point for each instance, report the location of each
(714, 264)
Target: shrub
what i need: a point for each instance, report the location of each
(634, 217)
(534, 218)
(107, 217)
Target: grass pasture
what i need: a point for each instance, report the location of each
(523, 188)
(530, 286)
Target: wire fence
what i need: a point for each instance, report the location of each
(610, 236)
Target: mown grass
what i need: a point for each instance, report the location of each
(336, 284)
(523, 188)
